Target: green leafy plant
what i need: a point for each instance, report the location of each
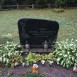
(32, 58)
(66, 53)
(7, 52)
(15, 60)
(1, 71)
(60, 3)
(29, 74)
(50, 58)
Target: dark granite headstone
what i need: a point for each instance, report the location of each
(36, 31)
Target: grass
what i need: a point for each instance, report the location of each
(67, 21)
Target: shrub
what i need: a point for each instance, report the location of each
(66, 53)
(34, 58)
(8, 53)
(60, 3)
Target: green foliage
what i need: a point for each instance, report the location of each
(41, 2)
(15, 60)
(60, 3)
(1, 2)
(6, 2)
(29, 2)
(29, 74)
(34, 58)
(71, 1)
(8, 55)
(50, 57)
(66, 53)
(1, 71)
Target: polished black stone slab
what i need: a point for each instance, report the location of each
(36, 31)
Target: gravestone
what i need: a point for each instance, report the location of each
(36, 31)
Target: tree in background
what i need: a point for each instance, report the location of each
(71, 2)
(7, 2)
(1, 2)
(60, 3)
(19, 1)
(29, 2)
(41, 2)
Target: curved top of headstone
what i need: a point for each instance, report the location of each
(37, 31)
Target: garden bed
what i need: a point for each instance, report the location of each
(62, 62)
(49, 71)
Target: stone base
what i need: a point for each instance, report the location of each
(41, 51)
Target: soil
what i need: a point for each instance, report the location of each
(49, 71)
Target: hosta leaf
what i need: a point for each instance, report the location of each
(58, 59)
(4, 55)
(65, 55)
(64, 65)
(9, 53)
(4, 60)
(60, 54)
(7, 60)
(1, 59)
(62, 62)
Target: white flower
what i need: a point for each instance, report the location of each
(50, 62)
(19, 46)
(23, 64)
(43, 61)
(35, 66)
(74, 68)
(57, 62)
(16, 63)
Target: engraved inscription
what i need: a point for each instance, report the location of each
(42, 33)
